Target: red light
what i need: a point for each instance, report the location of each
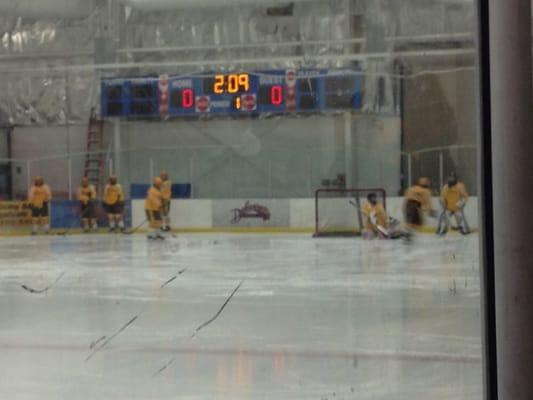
(276, 95)
(187, 98)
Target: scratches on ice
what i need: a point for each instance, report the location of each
(202, 326)
(96, 349)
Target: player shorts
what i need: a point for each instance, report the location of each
(114, 209)
(153, 216)
(40, 212)
(165, 210)
(413, 212)
(88, 210)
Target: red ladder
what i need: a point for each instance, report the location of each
(94, 160)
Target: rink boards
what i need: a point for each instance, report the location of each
(286, 215)
(237, 215)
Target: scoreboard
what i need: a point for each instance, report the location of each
(233, 94)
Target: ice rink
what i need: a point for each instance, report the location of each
(313, 318)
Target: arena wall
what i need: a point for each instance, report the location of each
(297, 215)
(274, 157)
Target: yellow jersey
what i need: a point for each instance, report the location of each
(451, 196)
(154, 199)
(374, 215)
(86, 193)
(113, 194)
(166, 190)
(420, 195)
(38, 195)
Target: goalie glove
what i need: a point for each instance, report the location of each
(461, 203)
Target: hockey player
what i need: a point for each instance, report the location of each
(39, 196)
(87, 197)
(453, 199)
(374, 218)
(418, 201)
(376, 222)
(166, 192)
(153, 207)
(113, 200)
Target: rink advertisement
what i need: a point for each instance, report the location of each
(251, 213)
(14, 214)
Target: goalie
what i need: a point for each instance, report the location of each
(454, 197)
(376, 224)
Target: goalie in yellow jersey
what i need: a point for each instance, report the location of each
(87, 197)
(376, 222)
(153, 206)
(39, 196)
(113, 200)
(453, 197)
(374, 218)
(166, 193)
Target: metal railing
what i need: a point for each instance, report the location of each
(245, 172)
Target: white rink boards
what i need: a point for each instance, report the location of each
(313, 319)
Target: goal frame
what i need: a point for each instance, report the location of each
(318, 233)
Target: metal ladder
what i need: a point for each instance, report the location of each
(94, 159)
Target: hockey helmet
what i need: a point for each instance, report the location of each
(424, 182)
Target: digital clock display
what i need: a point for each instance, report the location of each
(227, 84)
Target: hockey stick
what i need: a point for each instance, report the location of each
(133, 230)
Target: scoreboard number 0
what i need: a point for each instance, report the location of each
(233, 83)
(276, 95)
(187, 99)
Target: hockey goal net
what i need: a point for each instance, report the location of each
(338, 212)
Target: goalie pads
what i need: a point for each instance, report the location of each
(373, 218)
(461, 204)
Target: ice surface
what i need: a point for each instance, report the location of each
(314, 318)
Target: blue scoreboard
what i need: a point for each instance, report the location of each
(233, 94)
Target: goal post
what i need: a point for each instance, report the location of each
(338, 211)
